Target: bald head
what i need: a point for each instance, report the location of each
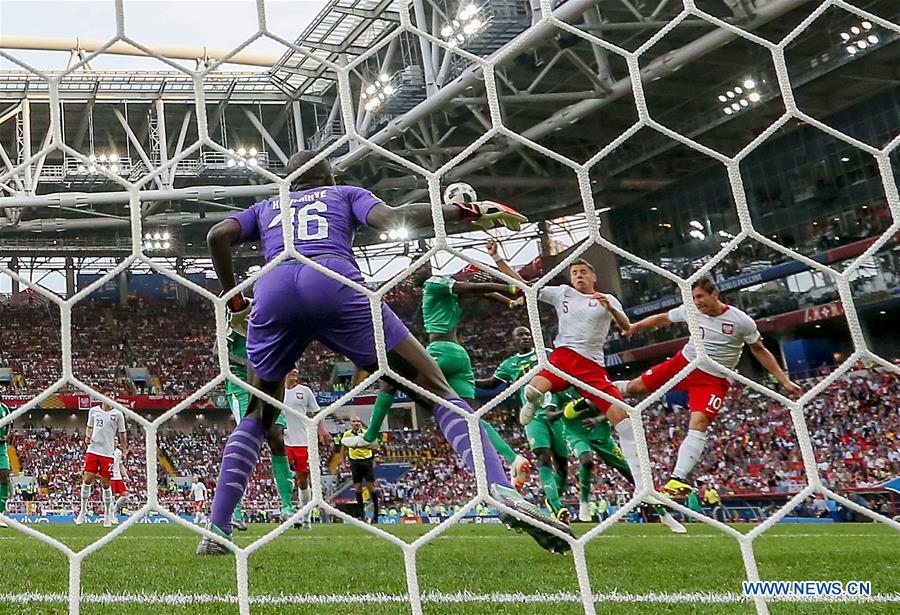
(320, 174)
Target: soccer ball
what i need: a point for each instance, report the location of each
(459, 192)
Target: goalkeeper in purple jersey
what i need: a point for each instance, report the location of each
(295, 304)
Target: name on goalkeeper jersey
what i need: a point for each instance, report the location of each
(793, 589)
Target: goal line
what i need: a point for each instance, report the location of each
(435, 597)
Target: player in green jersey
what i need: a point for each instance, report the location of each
(588, 432)
(4, 461)
(442, 312)
(239, 401)
(545, 437)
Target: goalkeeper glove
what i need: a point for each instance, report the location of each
(239, 313)
(488, 214)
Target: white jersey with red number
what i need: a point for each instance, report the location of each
(723, 336)
(117, 465)
(198, 492)
(303, 400)
(583, 322)
(106, 426)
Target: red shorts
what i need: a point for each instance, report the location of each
(298, 457)
(97, 464)
(198, 504)
(118, 487)
(585, 370)
(705, 392)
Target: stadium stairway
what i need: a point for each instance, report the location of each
(15, 465)
(165, 462)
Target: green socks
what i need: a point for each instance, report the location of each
(4, 495)
(383, 403)
(550, 483)
(584, 480)
(499, 443)
(238, 513)
(284, 481)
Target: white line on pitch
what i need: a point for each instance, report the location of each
(177, 599)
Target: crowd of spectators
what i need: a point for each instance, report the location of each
(854, 426)
(174, 342)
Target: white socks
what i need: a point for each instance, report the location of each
(622, 386)
(120, 503)
(689, 453)
(625, 431)
(107, 502)
(85, 496)
(305, 497)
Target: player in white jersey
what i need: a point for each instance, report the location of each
(725, 330)
(198, 496)
(585, 316)
(117, 484)
(105, 427)
(302, 399)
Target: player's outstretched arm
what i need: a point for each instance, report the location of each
(505, 301)
(219, 240)
(488, 383)
(486, 214)
(485, 288)
(768, 360)
(493, 248)
(646, 324)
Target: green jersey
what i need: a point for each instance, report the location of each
(4, 410)
(440, 305)
(516, 366)
(237, 359)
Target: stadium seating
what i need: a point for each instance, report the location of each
(854, 426)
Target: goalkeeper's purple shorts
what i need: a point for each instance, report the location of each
(294, 304)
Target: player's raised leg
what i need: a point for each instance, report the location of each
(414, 362)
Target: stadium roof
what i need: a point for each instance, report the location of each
(557, 88)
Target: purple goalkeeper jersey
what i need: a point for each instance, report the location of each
(323, 220)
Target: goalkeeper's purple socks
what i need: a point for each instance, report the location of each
(238, 461)
(456, 430)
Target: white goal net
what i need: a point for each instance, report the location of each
(548, 15)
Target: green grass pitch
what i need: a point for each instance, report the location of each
(343, 560)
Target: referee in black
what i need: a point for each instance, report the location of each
(362, 469)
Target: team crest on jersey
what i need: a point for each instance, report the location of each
(727, 328)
